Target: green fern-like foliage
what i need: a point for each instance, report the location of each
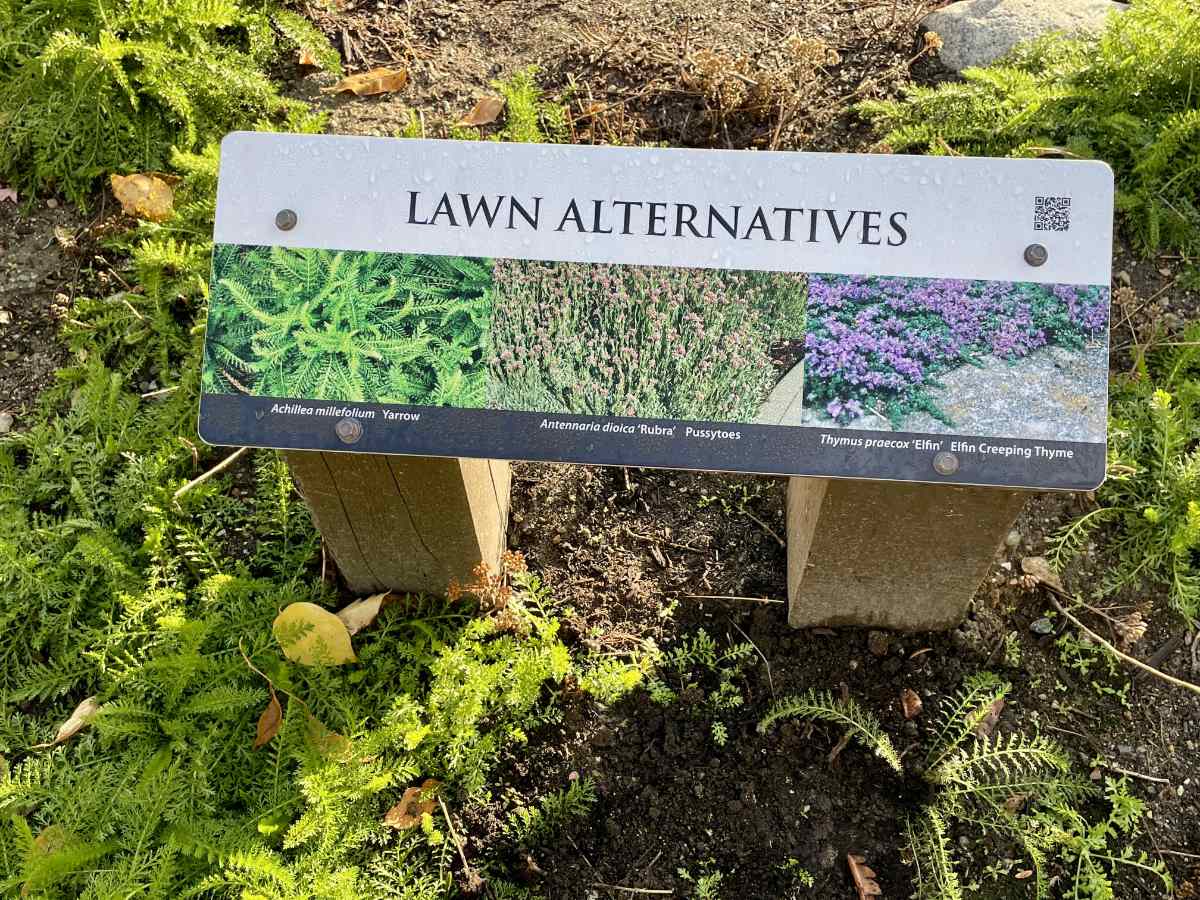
(1153, 487)
(1018, 786)
(326, 325)
(823, 706)
(92, 88)
(1128, 97)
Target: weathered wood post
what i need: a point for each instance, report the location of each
(407, 523)
(888, 554)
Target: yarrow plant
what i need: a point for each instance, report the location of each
(638, 340)
(878, 344)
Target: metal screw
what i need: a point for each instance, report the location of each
(1036, 255)
(348, 431)
(285, 219)
(945, 463)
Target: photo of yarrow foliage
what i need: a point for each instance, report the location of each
(349, 326)
(644, 341)
(940, 354)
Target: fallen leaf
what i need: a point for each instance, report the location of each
(991, 715)
(910, 701)
(7, 193)
(864, 877)
(1039, 568)
(306, 59)
(79, 718)
(358, 615)
(1023, 874)
(269, 722)
(313, 636)
(484, 112)
(1130, 629)
(327, 743)
(411, 807)
(144, 196)
(366, 84)
(1014, 803)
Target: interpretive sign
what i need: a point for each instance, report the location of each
(865, 316)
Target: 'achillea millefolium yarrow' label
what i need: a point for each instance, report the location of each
(652, 307)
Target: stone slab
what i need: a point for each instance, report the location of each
(978, 32)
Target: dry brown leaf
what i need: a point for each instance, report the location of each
(988, 723)
(910, 701)
(306, 59)
(144, 196)
(358, 615)
(7, 193)
(327, 743)
(1015, 803)
(79, 718)
(367, 84)
(1130, 629)
(269, 721)
(1039, 568)
(65, 237)
(1023, 874)
(313, 636)
(485, 111)
(411, 807)
(864, 877)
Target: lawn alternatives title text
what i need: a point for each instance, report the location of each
(652, 218)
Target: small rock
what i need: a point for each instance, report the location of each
(978, 32)
(1013, 539)
(52, 203)
(878, 642)
(5, 317)
(1124, 278)
(1042, 626)
(6, 423)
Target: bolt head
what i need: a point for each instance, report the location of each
(1036, 255)
(945, 463)
(285, 219)
(348, 430)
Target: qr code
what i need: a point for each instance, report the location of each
(1051, 213)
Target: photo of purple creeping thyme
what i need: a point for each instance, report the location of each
(878, 345)
(646, 341)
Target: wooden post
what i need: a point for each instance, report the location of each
(405, 523)
(890, 555)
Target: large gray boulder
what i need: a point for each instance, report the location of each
(977, 32)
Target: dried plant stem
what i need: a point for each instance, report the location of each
(453, 834)
(631, 890)
(1133, 661)
(215, 470)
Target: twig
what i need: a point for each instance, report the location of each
(1133, 661)
(1182, 853)
(453, 834)
(767, 528)
(215, 470)
(1162, 653)
(653, 540)
(160, 392)
(632, 890)
(1131, 774)
(730, 597)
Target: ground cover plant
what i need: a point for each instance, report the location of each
(1153, 488)
(1018, 787)
(646, 341)
(1128, 97)
(877, 345)
(327, 325)
(88, 89)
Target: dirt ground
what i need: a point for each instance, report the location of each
(632, 553)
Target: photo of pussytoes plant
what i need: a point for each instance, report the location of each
(350, 326)
(646, 341)
(877, 345)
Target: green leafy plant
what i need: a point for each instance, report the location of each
(1151, 494)
(1128, 97)
(529, 116)
(530, 826)
(705, 678)
(1017, 787)
(326, 325)
(87, 89)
